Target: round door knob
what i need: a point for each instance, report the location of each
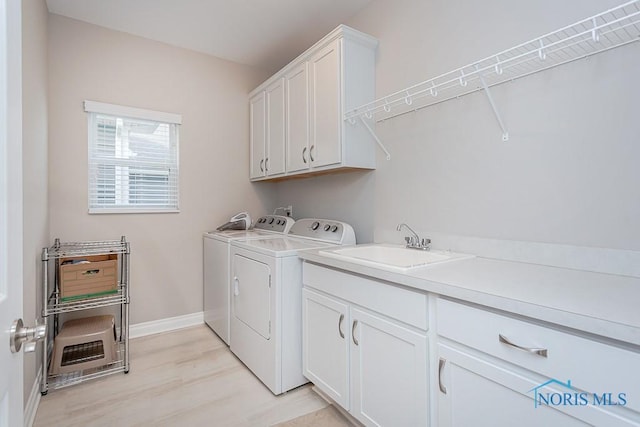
(315, 225)
(19, 334)
(326, 227)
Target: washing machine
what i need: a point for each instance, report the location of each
(266, 300)
(217, 264)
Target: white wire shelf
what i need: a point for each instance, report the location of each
(615, 27)
(75, 249)
(56, 306)
(59, 381)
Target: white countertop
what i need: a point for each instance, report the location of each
(601, 304)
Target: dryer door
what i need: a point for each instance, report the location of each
(251, 287)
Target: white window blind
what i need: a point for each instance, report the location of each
(133, 159)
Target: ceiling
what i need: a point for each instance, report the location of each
(262, 33)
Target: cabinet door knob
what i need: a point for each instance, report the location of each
(340, 325)
(353, 332)
(266, 164)
(311, 153)
(441, 363)
(304, 151)
(539, 351)
(261, 163)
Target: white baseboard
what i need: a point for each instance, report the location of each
(31, 407)
(165, 325)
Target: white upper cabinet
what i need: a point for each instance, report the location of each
(267, 135)
(275, 101)
(326, 112)
(334, 75)
(297, 123)
(258, 135)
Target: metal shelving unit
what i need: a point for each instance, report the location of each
(53, 306)
(608, 30)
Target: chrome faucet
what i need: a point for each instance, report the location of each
(415, 242)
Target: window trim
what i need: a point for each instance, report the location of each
(120, 111)
(131, 112)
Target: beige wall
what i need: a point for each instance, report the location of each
(34, 168)
(569, 173)
(87, 62)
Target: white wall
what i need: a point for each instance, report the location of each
(34, 167)
(94, 63)
(567, 176)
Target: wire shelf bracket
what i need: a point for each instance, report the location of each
(375, 137)
(505, 133)
(615, 27)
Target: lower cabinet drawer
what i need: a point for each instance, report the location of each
(606, 372)
(391, 300)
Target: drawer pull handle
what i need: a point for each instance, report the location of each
(340, 325)
(539, 351)
(353, 332)
(90, 272)
(441, 363)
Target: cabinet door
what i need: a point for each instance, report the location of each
(274, 159)
(297, 95)
(326, 106)
(389, 383)
(325, 351)
(478, 391)
(258, 135)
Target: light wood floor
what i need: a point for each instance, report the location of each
(182, 378)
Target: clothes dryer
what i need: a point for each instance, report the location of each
(266, 300)
(217, 263)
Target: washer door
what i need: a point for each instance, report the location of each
(251, 287)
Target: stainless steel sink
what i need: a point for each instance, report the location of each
(393, 256)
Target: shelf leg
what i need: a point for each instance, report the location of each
(44, 386)
(505, 133)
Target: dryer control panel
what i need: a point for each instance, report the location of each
(326, 230)
(278, 223)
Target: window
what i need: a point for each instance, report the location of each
(133, 159)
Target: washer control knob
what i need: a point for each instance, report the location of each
(326, 227)
(334, 228)
(315, 225)
(271, 220)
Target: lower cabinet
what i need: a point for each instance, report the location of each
(325, 345)
(373, 367)
(501, 371)
(366, 346)
(476, 392)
